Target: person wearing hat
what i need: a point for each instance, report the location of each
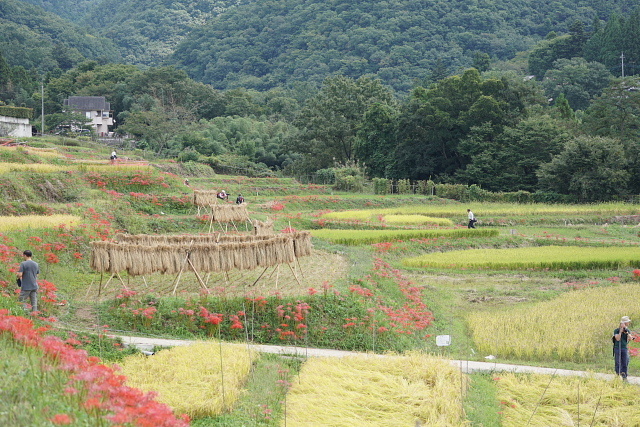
(620, 348)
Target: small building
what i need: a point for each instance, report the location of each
(95, 108)
(14, 121)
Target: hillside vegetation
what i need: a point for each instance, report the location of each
(276, 43)
(35, 39)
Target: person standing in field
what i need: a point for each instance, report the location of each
(621, 337)
(472, 219)
(240, 199)
(28, 275)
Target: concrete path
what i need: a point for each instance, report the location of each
(466, 366)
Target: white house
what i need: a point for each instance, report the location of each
(95, 108)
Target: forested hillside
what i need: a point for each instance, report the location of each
(273, 43)
(73, 10)
(35, 39)
(147, 31)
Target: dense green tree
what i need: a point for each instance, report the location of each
(592, 168)
(563, 108)
(155, 129)
(509, 161)
(580, 81)
(376, 140)
(619, 36)
(257, 140)
(546, 52)
(329, 121)
(65, 122)
(616, 113)
(434, 121)
(481, 61)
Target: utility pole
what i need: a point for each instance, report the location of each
(622, 59)
(42, 107)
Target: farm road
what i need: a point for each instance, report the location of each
(467, 366)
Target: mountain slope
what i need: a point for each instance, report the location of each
(274, 42)
(33, 38)
(147, 31)
(72, 10)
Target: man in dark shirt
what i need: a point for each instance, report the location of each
(28, 275)
(620, 348)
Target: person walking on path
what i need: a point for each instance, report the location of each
(28, 281)
(620, 348)
(472, 219)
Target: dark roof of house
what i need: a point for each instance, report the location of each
(88, 103)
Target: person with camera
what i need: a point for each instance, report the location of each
(28, 281)
(621, 338)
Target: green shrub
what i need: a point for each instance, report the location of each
(17, 112)
(188, 156)
(426, 187)
(349, 177)
(381, 186)
(452, 191)
(325, 176)
(404, 186)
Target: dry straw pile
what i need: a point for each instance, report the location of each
(220, 212)
(146, 254)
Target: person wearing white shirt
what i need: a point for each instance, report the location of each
(472, 219)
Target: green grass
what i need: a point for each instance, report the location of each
(264, 401)
(362, 237)
(32, 394)
(481, 402)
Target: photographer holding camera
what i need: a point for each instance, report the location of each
(620, 349)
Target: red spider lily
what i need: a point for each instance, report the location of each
(7, 253)
(361, 291)
(61, 419)
(107, 395)
(383, 246)
(52, 258)
(636, 273)
(235, 322)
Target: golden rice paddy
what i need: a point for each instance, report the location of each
(199, 380)
(542, 257)
(8, 223)
(376, 391)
